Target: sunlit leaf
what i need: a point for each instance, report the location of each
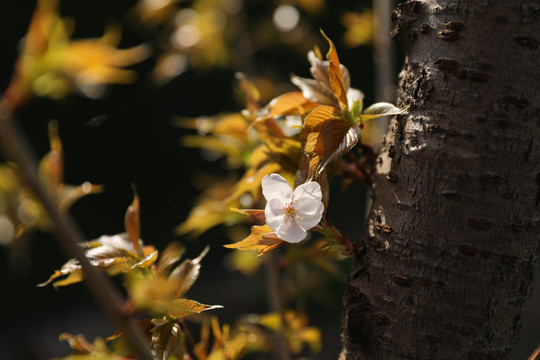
(359, 27)
(316, 118)
(77, 343)
(68, 268)
(113, 254)
(183, 307)
(68, 194)
(251, 181)
(261, 239)
(250, 92)
(247, 262)
(336, 76)
(381, 109)
(222, 146)
(51, 166)
(52, 64)
(272, 321)
(212, 208)
(292, 103)
(151, 13)
(184, 275)
(146, 262)
(315, 90)
(166, 336)
(170, 256)
(83, 350)
(325, 137)
(293, 325)
(133, 222)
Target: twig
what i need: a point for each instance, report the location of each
(535, 354)
(15, 147)
(273, 292)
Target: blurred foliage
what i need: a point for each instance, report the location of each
(20, 211)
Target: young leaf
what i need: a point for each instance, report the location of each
(184, 275)
(250, 91)
(291, 103)
(133, 222)
(347, 143)
(146, 262)
(325, 133)
(166, 336)
(77, 343)
(261, 239)
(180, 308)
(380, 109)
(170, 256)
(114, 254)
(336, 76)
(316, 91)
(51, 167)
(316, 118)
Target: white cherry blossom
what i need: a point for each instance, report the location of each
(291, 213)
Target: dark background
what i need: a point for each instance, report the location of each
(136, 144)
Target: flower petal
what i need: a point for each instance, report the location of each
(310, 190)
(274, 213)
(274, 186)
(309, 213)
(354, 95)
(289, 231)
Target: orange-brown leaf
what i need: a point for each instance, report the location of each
(52, 165)
(328, 144)
(336, 77)
(316, 118)
(324, 132)
(250, 91)
(292, 103)
(133, 221)
(261, 239)
(77, 343)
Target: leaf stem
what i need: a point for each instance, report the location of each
(15, 147)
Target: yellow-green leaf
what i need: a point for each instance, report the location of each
(381, 109)
(261, 239)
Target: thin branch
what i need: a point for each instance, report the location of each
(535, 354)
(15, 147)
(273, 292)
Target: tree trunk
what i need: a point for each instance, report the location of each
(453, 234)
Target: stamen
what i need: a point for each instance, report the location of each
(290, 210)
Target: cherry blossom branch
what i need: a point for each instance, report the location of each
(15, 147)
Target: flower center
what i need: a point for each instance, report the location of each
(290, 210)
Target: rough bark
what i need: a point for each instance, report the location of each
(453, 235)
